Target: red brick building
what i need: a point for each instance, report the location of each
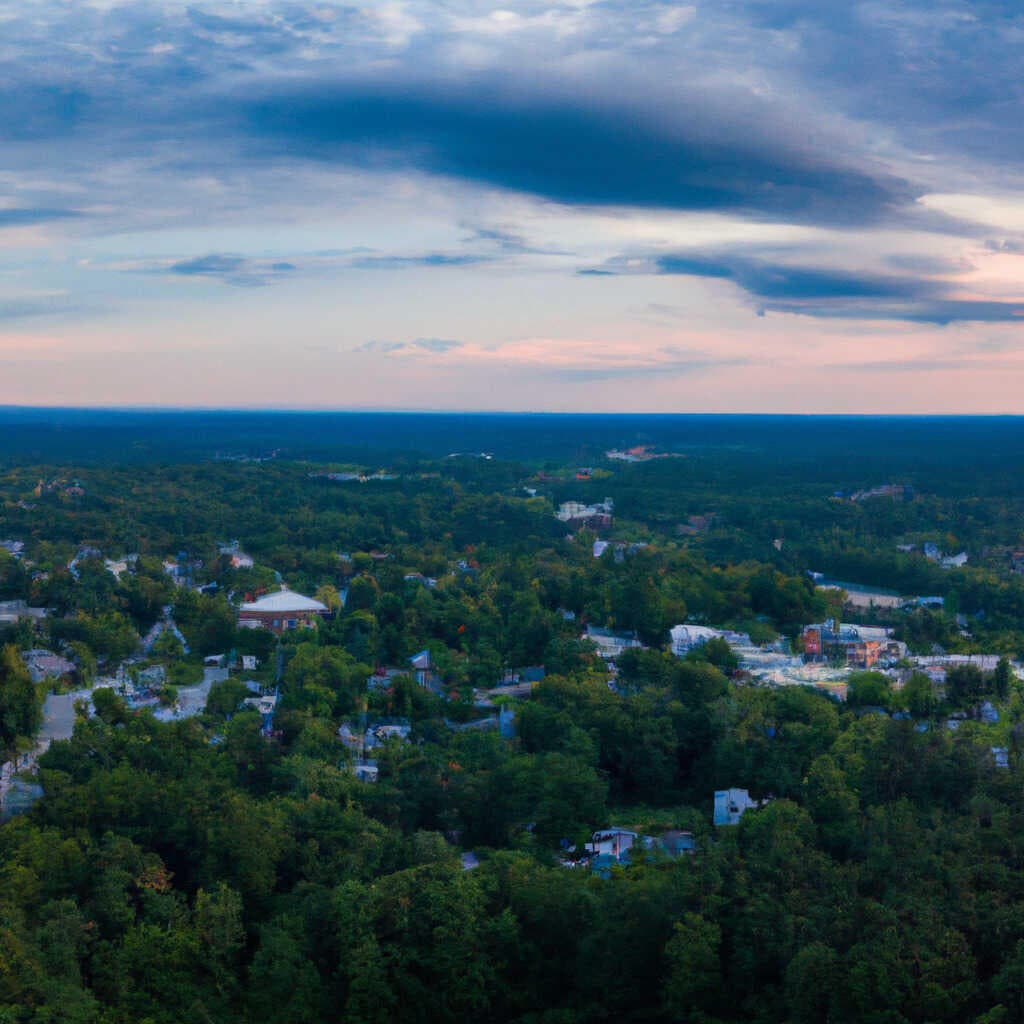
(280, 611)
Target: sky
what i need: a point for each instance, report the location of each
(585, 205)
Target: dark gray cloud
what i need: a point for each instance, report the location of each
(648, 115)
(833, 294)
(837, 115)
(570, 150)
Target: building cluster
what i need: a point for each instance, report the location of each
(896, 492)
(355, 478)
(687, 637)
(576, 515)
(696, 525)
(118, 566)
(46, 666)
(13, 612)
(15, 548)
(621, 550)
(638, 453)
(611, 846)
(58, 485)
(934, 554)
(233, 549)
(858, 647)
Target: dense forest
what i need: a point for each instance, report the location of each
(206, 868)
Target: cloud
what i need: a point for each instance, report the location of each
(435, 345)
(940, 312)
(19, 217)
(274, 140)
(572, 360)
(213, 265)
(663, 365)
(1005, 245)
(430, 259)
(572, 150)
(230, 269)
(923, 263)
(41, 306)
(832, 294)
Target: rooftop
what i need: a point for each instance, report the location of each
(284, 601)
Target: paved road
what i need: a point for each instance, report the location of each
(59, 721)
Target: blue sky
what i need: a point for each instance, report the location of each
(746, 205)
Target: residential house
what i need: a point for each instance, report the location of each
(44, 665)
(696, 525)
(264, 704)
(366, 771)
(526, 674)
(384, 677)
(675, 843)
(233, 550)
(732, 804)
(423, 671)
(12, 612)
(118, 566)
(375, 734)
(424, 581)
(933, 554)
(15, 548)
(613, 842)
(610, 644)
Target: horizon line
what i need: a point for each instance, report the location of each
(416, 411)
